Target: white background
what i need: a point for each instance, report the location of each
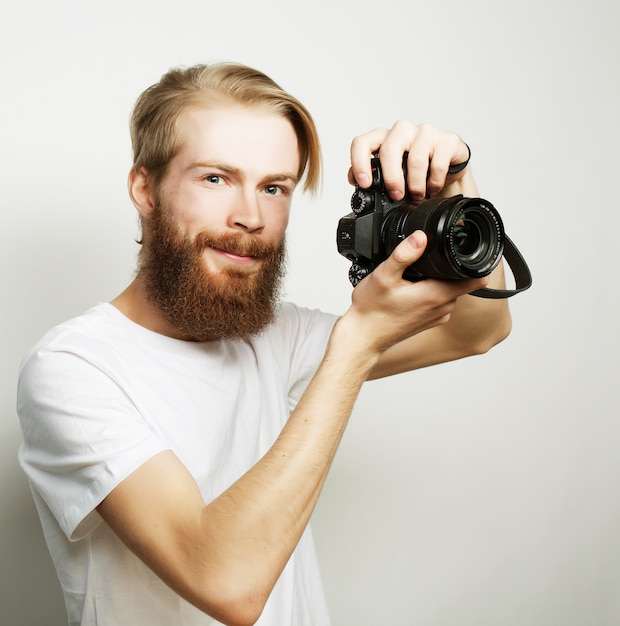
(483, 492)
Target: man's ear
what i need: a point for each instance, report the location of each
(140, 191)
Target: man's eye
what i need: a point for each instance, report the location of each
(214, 179)
(273, 190)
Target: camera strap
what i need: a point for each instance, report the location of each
(520, 271)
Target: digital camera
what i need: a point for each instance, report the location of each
(465, 235)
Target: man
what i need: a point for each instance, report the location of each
(177, 439)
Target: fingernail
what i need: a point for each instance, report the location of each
(417, 239)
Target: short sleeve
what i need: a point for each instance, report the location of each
(82, 436)
(307, 332)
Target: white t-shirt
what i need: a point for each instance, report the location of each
(100, 395)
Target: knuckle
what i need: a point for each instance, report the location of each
(362, 141)
(400, 256)
(403, 125)
(417, 160)
(357, 141)
(434, 185)
(426, 127)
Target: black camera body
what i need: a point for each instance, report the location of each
(465, 235)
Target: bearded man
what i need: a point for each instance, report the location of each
(177, 438)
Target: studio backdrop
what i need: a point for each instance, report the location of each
(480, 493)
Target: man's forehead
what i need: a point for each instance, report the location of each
(233, 132)
(232, 119)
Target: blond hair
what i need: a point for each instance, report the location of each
(155, 133)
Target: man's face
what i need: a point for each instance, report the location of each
(214, 246)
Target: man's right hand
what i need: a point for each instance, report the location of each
(387, 309)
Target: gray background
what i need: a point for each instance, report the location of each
(483, 492)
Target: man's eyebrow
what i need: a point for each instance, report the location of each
(218, 165)
(231, 169)
(282, 176)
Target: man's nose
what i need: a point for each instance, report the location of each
(247, 214)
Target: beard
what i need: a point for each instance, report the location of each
(205, 305)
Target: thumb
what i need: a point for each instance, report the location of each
(409, 250)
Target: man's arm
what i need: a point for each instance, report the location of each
(225, 556)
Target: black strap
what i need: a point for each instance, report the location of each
(458, 167)
(520, 270)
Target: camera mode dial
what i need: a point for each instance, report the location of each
(362, 201)
(357, 273)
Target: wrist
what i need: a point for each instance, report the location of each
(350, 345)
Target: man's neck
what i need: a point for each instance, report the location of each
(134, 304)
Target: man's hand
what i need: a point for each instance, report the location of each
(387, 309)
(431, 152)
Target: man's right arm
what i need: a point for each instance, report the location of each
(225, 556)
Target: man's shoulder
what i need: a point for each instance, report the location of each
(95, 331)
(292, 319)
(103, 333)
(95, 323)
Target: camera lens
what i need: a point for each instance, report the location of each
(465, 236)
(471, 236)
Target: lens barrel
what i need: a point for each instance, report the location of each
(465, 236)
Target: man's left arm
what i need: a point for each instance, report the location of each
(474, 327)
(475, 324)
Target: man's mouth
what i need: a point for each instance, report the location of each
(235, 256)
(237, 251)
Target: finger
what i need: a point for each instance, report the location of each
(397, 141)
(363, 148)
(421, 154)
(447, 152)
(406, 252)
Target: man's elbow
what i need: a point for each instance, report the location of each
(232, 605)
(242, 614)
(495, 334)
